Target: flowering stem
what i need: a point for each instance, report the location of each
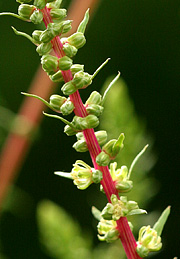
(125, 232)
(31, 109)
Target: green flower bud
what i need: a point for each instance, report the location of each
(58, 14)
(68, 88)
(124, 186)
(108, 147)
(66, 26)
(92, 121)
(23, 1)
(36, 35)
(40, 4)
(77, 40)
(57, 77)
(69, 130)
(69, 50)
(101, 136)
(107, 230)
(79, 123)
(87, 122)
(65, 63)
(53, 4)
(97, 175)
(49, 63)
(120, 208)
(121, 178)
(107, 211)
(52, 30)
(94, 98)
(56, 101)
(76, 68)
(44, 48)
(36, 17)
(46, 36)
(103, 159)
(113, 147)
(26, 10)
(67, 107)
(94, 109)
(80, 136)
(80, 146)
(82, 80)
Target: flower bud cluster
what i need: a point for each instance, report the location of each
(61, 104)
(110, 151)
(148, 241)
(83, 175)
(93, 104)
(81, 146)
(34, 14)
(120, 208)
(121, 178)
(107, 229)
(80, 124)
(149, 238)
(43, 39)
(30, 12)
(80, 80)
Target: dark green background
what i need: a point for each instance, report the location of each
(142, 39)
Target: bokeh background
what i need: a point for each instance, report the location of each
(142, 39)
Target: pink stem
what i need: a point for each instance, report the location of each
(125, 233)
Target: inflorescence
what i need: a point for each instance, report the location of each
(60, 68)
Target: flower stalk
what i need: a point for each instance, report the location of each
(125, 233)
(113, 222)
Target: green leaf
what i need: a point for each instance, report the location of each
(158, 226)
(136, 212)
(109, 87)
(39, 98)
(136, 159)
(96, 213)
(14, 15)
(59, 118)
(83, 24)
(19, 33)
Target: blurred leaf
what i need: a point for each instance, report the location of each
(60, 234)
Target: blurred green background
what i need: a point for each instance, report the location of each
(142, 39)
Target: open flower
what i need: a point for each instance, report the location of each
(82, 175)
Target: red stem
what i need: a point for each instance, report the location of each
(125, 233)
